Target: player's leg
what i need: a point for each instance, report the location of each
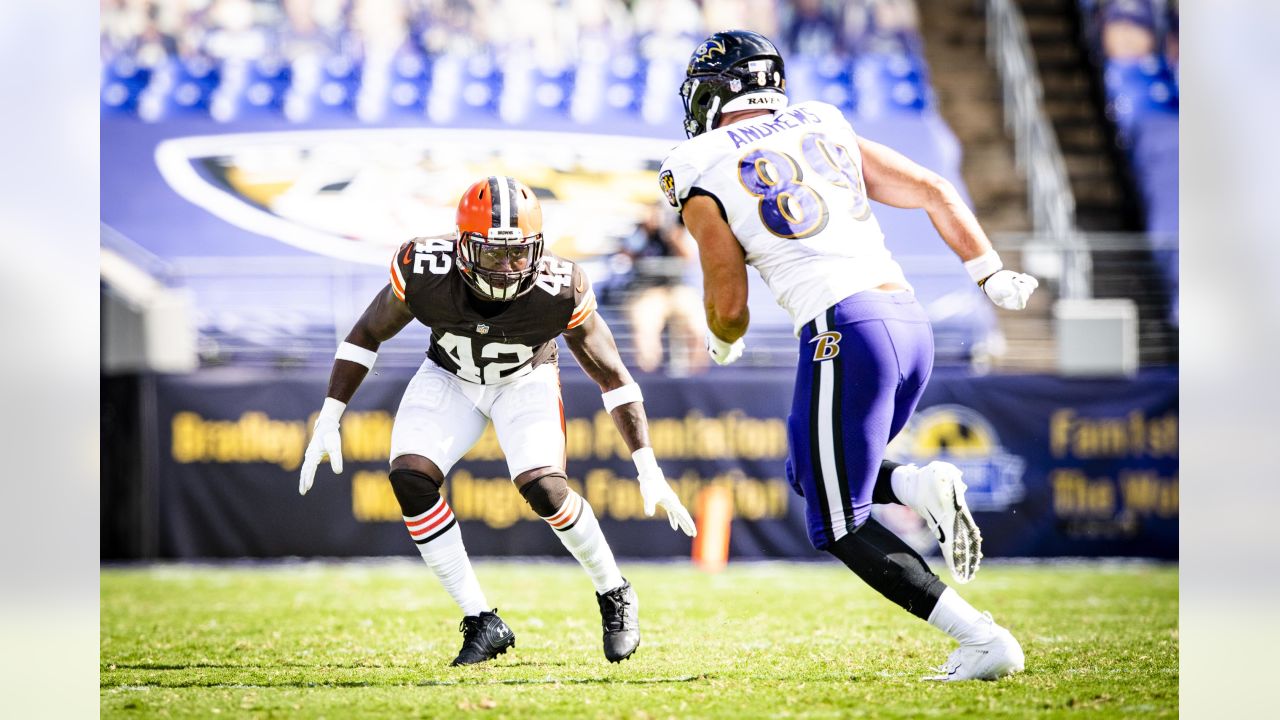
(571, 517)
(437, 422)
(529, 421)
(936, 492)
(842, 417)
(841, 420)
(987, 651)
(883, 493)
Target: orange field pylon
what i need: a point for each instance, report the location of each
(714, 512)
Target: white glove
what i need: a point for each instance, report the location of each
(325, 440)
(655, 491)
(1010, 290)
(722, 352)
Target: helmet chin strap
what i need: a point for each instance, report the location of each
(711, 113)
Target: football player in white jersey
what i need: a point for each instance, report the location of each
(787, 189)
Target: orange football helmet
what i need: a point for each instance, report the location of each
(499, 237)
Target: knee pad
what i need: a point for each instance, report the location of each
(546, 494)
(416, 492)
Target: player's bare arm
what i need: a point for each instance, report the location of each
(592, 344)
(724, 268)
(385, 316)
(724, 273)
(894, 179)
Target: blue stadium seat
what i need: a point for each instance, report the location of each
(410, 82)
(481, 83)
(123, 80)
(836, 75)
(553, 88)
(891, 83)
(546, 98)
(1137, 88)
(193, 82)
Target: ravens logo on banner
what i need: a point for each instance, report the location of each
(963, 437)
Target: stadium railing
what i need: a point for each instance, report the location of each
(1133, 266)
(1038, 156)
(291, 312)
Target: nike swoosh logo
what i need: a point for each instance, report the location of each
(953, 672)
(942, 536)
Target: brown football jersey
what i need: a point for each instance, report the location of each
(483, 341)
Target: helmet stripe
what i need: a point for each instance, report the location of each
(495, 217)
(515, 201)
(504, 201)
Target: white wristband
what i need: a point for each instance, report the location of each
(356, 354)
(983, 266)
(646, 463)
(628, 393)
(331, 410)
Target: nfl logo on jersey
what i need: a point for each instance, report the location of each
(482, 328)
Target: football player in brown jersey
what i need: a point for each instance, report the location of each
(495, 304)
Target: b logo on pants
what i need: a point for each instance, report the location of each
(828, 346)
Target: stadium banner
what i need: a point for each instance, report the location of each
(1055, 467)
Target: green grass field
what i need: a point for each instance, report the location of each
(759, 640)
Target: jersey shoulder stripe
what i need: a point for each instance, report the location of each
(583, 309)
(403, 259)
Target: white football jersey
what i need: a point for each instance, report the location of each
(792, 191)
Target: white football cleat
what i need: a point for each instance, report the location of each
(999, 656)
(940, 501)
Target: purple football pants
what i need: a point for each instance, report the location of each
(864, 364)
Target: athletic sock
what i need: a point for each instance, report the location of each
(576, 526)
(905, 483)
(882, 492)
(957, 618)
(439, 541)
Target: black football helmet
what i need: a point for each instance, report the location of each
(731, 70)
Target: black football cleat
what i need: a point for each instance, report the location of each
(619, 614)
(484, 637)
